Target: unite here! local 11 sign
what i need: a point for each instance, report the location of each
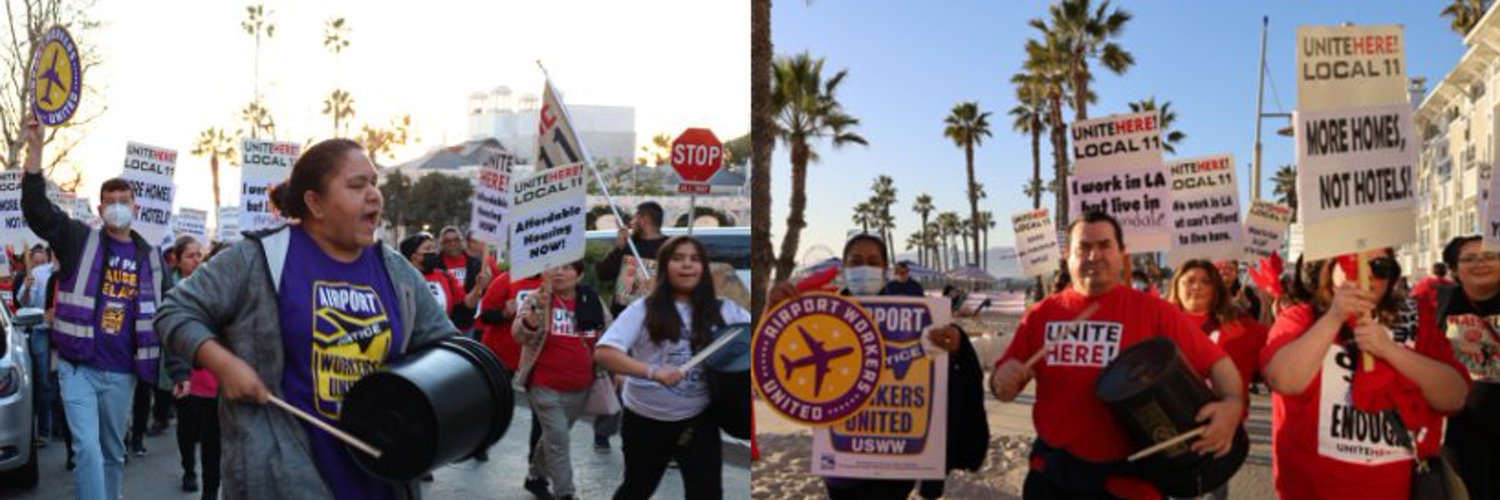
(1036, 242)
(149, 170)
(1119, 172)
(265, 164)
(547, 219)
(1205, 210)
(1356, 152)
(491, 200)
(1265, 228)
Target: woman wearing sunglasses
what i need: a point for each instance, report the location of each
(1353, 372)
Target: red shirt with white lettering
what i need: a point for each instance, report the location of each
(567, 361)
(1067, 415)
(1242, 339)
(498, 336)
(1322, 447)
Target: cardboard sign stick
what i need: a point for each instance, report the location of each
(343, 436)
(1366, 360)
(1087, 312)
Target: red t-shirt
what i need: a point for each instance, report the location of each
(1067, 415)
(448, 291)
(1426, 289)
(1321, 445)
(567, 361)
(498, 336)
(458, 266)
(1242, 339)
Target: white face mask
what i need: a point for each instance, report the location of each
(864, 280)
(118, 216)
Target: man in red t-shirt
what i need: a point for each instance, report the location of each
(1426, 290)
(1079, 449)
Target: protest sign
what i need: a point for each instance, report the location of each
(1348, 66)
(84, 210)
(1139, 197)
(149, 170)
(1266, 228)
(13, 228)
(191, 222)
(1355, 175)
(228, 229)
(491, 200)
(1036, 242)
(547, 219)
(556, 142)
(1205, 210)
(1116, 142)
(901, 433)
(264, 164)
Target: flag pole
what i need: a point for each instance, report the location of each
(588, 160)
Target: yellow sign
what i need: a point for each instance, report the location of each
(817, 358)
(56, 78)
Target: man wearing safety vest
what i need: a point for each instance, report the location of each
(107, 295)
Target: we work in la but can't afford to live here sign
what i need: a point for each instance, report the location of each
(547, 219)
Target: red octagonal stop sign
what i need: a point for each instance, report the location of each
(697, 155)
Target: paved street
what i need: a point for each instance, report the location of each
(158, 475)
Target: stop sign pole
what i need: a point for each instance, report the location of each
(697, 155)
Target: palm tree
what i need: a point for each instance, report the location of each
(258, 23)
(949, 226)
(1087, 33)
(336, 40)
(1465, 14)
(914, 241)
(258, 119)
(1047, 61)
(883, 196)
(934, 249)
(1286, 188)
(968, 127)
(762, 115)
(864, 214)
(1030, 116)
(214, 144)
(806, 110)
(339, 105)
(986, 222)
(923, 207)
(1169, 138)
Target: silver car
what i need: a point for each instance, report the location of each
(17, 448)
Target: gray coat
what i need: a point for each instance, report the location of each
(233, 298)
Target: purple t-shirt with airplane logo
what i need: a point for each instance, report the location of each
(114, 347)
(339, 322)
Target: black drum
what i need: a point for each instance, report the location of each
(728, 371)
(1155, 396)
(434, 406)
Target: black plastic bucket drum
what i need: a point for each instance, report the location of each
(728, 371)
(1155, 396)
(434, 406)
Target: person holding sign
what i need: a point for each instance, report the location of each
(111, 282)
(1341, 431)
(1468, 312)
(645, 231)
(300, 312)
(1201, 294)
(1079, 450)
(557, 331)
(664, 405)
(421, 251)
(863, 273)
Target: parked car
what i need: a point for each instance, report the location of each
(728, 247)
(18, 466)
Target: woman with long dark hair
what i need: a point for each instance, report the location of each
(664, 407)
(301, 311)
(1354, 372)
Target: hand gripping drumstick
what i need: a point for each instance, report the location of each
(1087, 312)
(343, 436)
(1167, 444)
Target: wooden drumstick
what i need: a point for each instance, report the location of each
(343, 436)
(1167, 444)
(1087, 312)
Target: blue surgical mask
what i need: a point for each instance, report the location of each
(118, 216)
(864, 280)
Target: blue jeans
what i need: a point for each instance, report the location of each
(41, 381)
(97, 403)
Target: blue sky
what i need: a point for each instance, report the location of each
(908, 66)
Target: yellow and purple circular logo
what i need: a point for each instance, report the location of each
(56, 78)
(817, 358)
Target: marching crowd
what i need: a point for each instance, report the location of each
(136, 334)
(1377, 392)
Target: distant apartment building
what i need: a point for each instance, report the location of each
(608, 131)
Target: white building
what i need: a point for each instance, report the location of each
(1455, 121)
(608, 131)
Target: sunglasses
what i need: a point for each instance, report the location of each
(1384, 268)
